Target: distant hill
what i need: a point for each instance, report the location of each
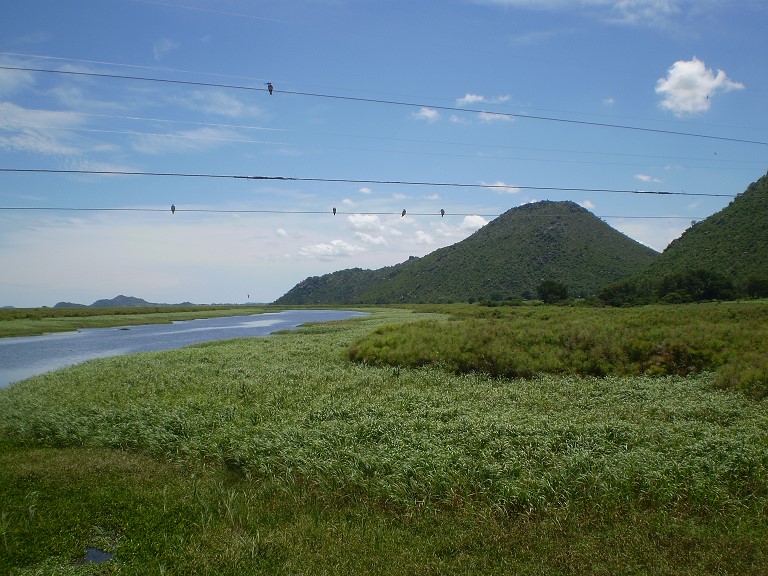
(121, 301)
(507, 258)
(118, 302)
(733, 241)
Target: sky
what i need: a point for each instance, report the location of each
(648, 113)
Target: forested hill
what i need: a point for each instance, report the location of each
(732, 242)
(508, 258)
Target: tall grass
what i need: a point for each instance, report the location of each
(728, 339)
(289, 410)
(265, 450)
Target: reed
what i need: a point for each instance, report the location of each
(278, 455)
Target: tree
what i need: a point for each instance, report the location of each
(551, 291)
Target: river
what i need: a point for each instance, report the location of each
(28, 356)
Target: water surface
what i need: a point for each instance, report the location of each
(28, 356)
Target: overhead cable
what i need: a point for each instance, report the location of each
(355, 181)
(390, 102)
(333, 212)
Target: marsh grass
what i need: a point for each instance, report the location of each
(729, 339)
(279, 456)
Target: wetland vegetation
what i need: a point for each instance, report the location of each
(281, 455)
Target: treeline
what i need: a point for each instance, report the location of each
(682, 288)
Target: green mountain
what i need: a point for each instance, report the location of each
(508, 258)
(720, 258)
(732, 242)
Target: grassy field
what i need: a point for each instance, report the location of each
(280, 456)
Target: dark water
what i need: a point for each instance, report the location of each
(32, 355)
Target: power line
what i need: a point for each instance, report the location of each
(392, 103)
(295, 212)
(356, 181)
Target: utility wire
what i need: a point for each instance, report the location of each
(355, 181)
(338, 212)
(390, 102)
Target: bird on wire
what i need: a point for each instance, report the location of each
(173, 208)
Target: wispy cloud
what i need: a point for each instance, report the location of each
(185, 141)
(689, 87)
(12, 81)
(219, 103)
(25, 130)
(648, 13)
(163, 46)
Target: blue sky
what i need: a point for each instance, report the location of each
(506, 94)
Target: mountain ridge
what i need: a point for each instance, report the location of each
(507, 258)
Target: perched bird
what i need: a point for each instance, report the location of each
(173, 208)
(270, 88)
(403, 214)
(442, 212)
(334, 211)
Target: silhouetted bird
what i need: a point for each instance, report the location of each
(270, 88)
(173, 208)
(334, 211)
(403, 214)
(442, 212)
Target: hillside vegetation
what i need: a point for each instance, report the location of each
(507, 258)
(722, 257)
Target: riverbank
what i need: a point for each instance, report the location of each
(36, 321)
(280, 456)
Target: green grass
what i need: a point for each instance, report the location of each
(728, 339)
(279, 456)
(35, 321)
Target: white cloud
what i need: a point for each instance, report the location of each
(492, 117)
(588, 204)
(424, 238)
(427, 114)
(370, 239)
(470, 99)
(609, 101)
(365, 190)
(329, 250)
(472, 223)
(689, 87)
(281, 233)
(477, 98)
(647, 178)
(500, 186)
